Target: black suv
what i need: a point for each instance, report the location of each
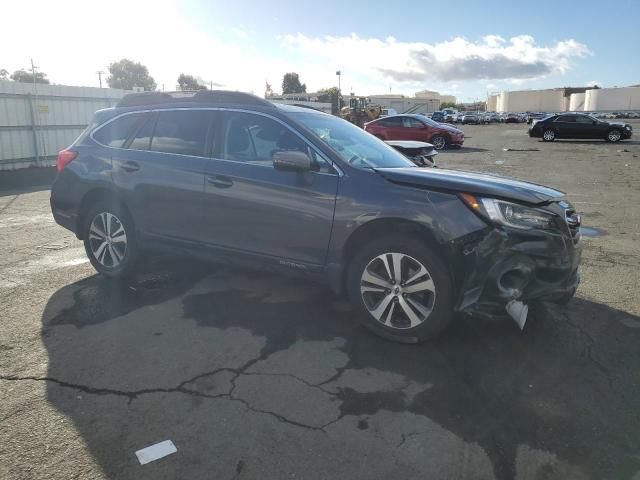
(229, 176)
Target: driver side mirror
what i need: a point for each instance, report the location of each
(291, 161)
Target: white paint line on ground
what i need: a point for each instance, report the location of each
(155, 452)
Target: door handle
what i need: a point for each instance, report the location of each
(130, 166)
(220, 181)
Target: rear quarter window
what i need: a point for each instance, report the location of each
(116, 132)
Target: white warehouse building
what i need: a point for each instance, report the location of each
(576, 102)
(581, 99)
(612, 99)
(551, 100)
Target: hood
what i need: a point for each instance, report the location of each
(478, 183)
(618, 124)
(408, 144)
(449, 128)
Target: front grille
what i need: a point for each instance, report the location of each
(574, 220)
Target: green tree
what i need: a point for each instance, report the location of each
(448, 105)
(127, 74)
(27, 77)
(4, 74)
(330, 95)
(291, 84)
(189, 82)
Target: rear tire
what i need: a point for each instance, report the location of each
(110, 239)
(548, 136)
(411, 309)
(614, 136)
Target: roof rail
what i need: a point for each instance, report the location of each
(198, 96)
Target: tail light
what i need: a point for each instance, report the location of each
(65, 157)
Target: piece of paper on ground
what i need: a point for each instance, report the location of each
(154, 452)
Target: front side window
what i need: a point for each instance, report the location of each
(409, 122)
(566, 119)
(181, 131)
(584, 119)
(116, 132)
(255, 139)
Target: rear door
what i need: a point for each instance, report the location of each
(160, 172)
(252, 207)
(393, 129)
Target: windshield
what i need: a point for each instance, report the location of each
(355, 146)
(429, 122)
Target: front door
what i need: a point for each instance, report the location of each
(252, 207)
(160, 173)
(590, 127)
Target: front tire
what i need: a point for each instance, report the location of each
(439, 142)
(548, 136)
(401, 289)
(110, 239)
(614, 136)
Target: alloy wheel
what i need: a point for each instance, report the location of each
(438, 143)
(614, 136)
(549, 135)
(107, 239)
(397, 290)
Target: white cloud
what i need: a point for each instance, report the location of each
(593, 83)
(458, 59)
(71, 42)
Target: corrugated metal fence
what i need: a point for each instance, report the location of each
(36, 121)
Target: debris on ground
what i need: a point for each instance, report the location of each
(520, 149)
(155, 452)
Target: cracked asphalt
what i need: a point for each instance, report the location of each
(254, 375)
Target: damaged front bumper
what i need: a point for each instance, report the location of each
(507, 268)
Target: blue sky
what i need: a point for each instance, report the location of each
(466, 48)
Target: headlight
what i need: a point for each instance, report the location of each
(509, 214)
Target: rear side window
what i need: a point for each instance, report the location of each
(142, 140)
(391, 122)
(181, 131)
(115, 133)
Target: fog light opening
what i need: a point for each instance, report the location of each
(513, 281)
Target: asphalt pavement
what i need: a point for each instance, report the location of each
(254, 375)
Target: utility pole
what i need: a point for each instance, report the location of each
(100, 73)
(35, 114)
(339, 74)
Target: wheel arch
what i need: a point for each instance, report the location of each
(381, 227)
(91, 198)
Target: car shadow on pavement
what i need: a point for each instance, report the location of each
(595, 142)
(176, 352)
(463, 150)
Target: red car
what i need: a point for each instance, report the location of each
(416, 127)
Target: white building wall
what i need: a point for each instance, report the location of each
(610, 99)
(576, 102)
(492, 103)
(38, 121)
(533, 101)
